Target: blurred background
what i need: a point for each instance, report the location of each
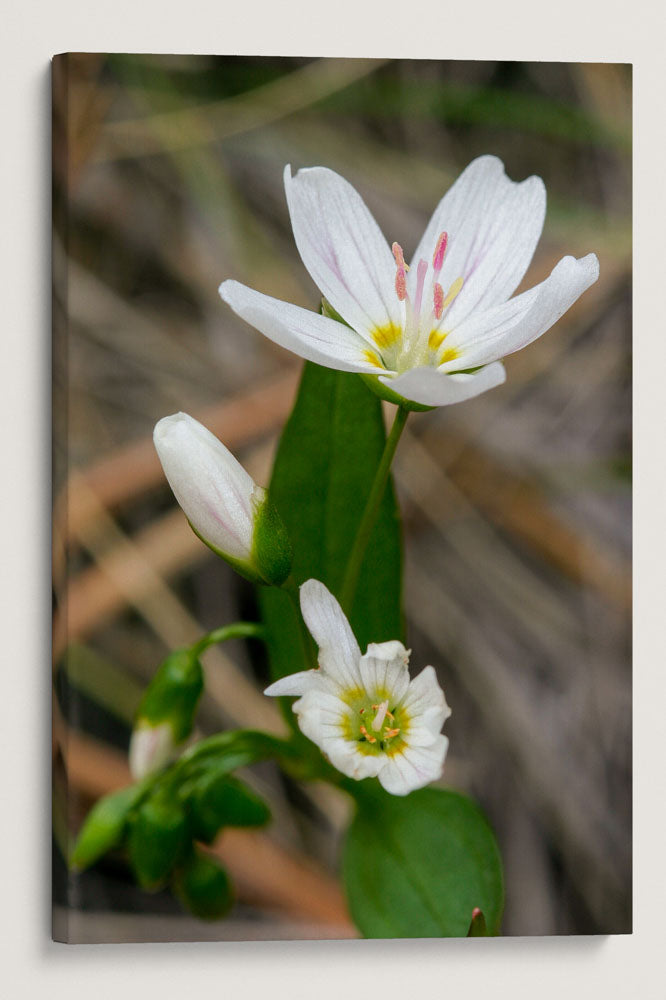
(167, 180)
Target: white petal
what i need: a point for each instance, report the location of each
(434, 387)
(414, 768)
(493, 225)
(508, 328)
(339, 652)
(343, 248)
(150, 749)
(300, 683)
(426, 709)
(384, 671)
(348, 759)
(311, 336)
(423, 693)
(213, 488)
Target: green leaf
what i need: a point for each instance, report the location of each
(325, 465)
(157, 837)
(418, 866)
(223, 801)
(203, 887)
(105, 825)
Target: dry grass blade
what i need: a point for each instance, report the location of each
(220, 119)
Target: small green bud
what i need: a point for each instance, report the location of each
(203, 887)
(166, 714)
(157, 837)
(224, 801)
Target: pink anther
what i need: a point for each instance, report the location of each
(438, 297)
(399, 255)
(440, 250)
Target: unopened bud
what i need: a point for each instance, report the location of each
(224, 506)
(166, 714)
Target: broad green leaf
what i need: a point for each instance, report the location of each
(203, 887)
(157, 837)
(325, 465)
(223, 801)
(105, 825)
(418, 866)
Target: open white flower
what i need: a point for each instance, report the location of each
(364, 712)
(432, 334)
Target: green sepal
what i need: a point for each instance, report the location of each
(219, 801)
(244, 569)
(173, 694)
(158, 835)
(105, 825)
(271, 546)
(203, 887)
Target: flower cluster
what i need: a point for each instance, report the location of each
(424, 335)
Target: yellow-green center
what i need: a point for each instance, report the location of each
(375, 723)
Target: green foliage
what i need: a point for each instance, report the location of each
(327, 458)
(418, 866)
(173, 694)
(105, 825)
(203, 887)
(157, 837)
(158, 818)
(220, 801)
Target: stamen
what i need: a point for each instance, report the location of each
(378, 720)
(421, 272)
(390, 733)
(452, 293)
(400, 279)
(438, 297)
(369, 738)
(397, 252)
(401, 284)
(440, 250)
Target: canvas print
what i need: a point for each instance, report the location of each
(342, 533)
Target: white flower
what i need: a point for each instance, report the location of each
(150, 749)
(364, 712)
(432, 334)
(224, 506)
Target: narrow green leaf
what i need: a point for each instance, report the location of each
(105, 825)
(418, 866)
(203, 887)
(220, 801)
(325, 465)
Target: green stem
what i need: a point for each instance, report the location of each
(239, 630)
(370, 513)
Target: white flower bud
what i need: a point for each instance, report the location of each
(151, 748)
(224, 506)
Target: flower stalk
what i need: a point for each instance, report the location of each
(371, 511)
